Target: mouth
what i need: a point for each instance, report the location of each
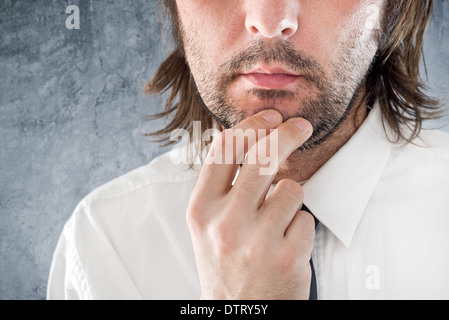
(270, 78)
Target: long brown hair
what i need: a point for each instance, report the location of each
(393, 79)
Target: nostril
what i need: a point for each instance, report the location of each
(289, 28)
(254, 30)
(269, 25)
(288, 32)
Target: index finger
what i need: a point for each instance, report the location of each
(228, 150)
(255, 177)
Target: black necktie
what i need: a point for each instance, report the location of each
(313, 288)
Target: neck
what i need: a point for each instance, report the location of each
(301, 166)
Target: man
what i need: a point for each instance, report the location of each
(331, 90)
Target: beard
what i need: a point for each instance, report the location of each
(326, 100)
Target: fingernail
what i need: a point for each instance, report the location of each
(302, 124)
(272, 116)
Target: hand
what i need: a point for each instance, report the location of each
(247, 247)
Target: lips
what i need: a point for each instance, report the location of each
(270, 78)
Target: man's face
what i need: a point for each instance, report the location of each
(305, 58)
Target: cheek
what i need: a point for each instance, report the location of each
(212, 31)
(318, 37)
(372, 21)
(328, 35)
(321, 24)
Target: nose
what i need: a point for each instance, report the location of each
(272, 18)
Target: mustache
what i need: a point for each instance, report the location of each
(279, 52)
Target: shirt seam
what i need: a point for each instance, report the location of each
(433, 152)
(78, 267)
(96, 194)
(428, 146)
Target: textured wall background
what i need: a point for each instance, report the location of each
(71, 106)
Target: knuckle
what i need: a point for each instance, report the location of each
(256, 122)
(292, 260)
(222, 232)
(287, 262)
(194, 220)
(223, 237)
(254, 253)
(307, 232)
(291, 131)
(195, 214)
(308, 221)
(292, 187)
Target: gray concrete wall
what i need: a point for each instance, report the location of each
(70, 116)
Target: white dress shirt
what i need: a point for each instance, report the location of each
(383, 232)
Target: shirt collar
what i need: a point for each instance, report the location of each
(339, 192)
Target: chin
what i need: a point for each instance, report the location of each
(287, 110)
(288, 103)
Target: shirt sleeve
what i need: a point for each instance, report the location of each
(86, 265)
